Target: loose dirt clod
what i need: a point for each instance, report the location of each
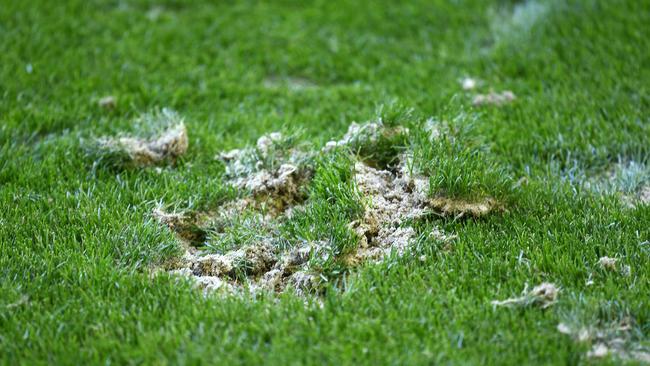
(107, 102)
(543, 295)
(494, 98)
(168, 146)
(611, 264)
(608, 263)
(462, 208)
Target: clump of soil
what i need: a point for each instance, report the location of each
(612, 339)
(464, 208)
(494, 98)
(608, 263)
(542, 296)
(169, 145)
(107, 102)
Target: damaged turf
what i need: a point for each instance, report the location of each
(167, 146)
(392, 200)
(267, 240)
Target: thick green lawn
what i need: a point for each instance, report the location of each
(78, 242)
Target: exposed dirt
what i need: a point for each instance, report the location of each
(393, 200)
(627, 179)
(187, 226)
(272, 176)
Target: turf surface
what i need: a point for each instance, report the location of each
(77, 240)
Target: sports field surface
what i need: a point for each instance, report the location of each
(325, 182)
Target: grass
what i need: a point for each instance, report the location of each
(77, 240)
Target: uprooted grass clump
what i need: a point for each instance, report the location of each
(306, 217)
(454, 159)
(163, 140)
(543, 296)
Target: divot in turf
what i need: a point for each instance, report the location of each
(267, 240)
(165, 147)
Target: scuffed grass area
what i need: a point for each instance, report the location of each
(79, 240)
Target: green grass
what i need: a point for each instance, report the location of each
(77, 239)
